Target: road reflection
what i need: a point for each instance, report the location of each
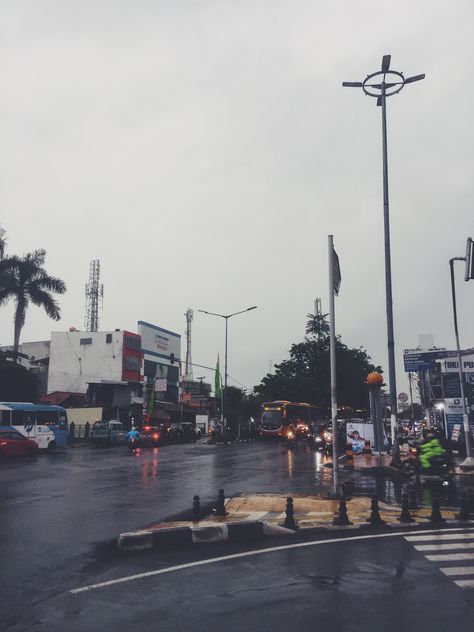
(150, 465)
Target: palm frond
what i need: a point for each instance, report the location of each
(43, 299)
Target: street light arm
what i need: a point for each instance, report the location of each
(203, 311)
(241, 311)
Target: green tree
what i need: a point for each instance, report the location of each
(305, 376)
(28, 282)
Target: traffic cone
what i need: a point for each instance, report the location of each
(405, 514)
(463, 509)
(342, 519)
(436, 511)
(367, 447)
(375, 518)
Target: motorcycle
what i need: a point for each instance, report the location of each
(291, 440)
(133, 446)
(441, 468)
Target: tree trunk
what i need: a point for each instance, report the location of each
(19, 321)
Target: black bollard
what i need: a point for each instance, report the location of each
(436, 511)
(470, 501)
(220, 507)
(196, 509)
(375, 518)
(290, 522)
(342, 518)
(463, 509)
(413, 500)
(405, 514)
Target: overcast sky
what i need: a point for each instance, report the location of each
(204, 149)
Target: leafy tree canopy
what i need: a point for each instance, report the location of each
(305, 376)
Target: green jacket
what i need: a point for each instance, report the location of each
(428, 450)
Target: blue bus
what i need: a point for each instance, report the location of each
(44, 423)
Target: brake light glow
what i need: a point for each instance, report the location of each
(156, 436)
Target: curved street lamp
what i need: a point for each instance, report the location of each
(382, 84)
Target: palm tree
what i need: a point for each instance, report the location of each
(30, 283)
(6, 264)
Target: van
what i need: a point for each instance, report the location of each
(107, 433)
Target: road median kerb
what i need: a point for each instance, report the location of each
(254, 517)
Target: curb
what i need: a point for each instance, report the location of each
(251, 531)
(185, 536)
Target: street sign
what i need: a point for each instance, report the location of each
(451, 386)
(28, 427)
(402, 397)
(416, 360)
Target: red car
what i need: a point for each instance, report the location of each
(13, 443)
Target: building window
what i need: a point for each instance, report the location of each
(85, 341)
(133, 342)
(108, 337)
(132, 363)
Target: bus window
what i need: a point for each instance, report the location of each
(17, 417)
(5, 417)
(47, 418)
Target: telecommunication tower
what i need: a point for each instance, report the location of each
(94, 295)
(188, 375)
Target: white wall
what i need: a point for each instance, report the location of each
(72, 364)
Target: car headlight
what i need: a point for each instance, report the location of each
(318, 439)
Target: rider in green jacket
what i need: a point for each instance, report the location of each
(430, 448)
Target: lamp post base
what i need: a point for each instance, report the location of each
(468, 463)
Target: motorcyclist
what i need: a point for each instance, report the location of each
(133, 437)
(429, 449)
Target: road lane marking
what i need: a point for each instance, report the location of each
(234, 556)
(465, 583)
(450, 546)
(450, 557)
(458, 570)
(441, 536)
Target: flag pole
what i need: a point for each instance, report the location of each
(332, 356)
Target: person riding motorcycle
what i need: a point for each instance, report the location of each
(133, 437)
(429, 449)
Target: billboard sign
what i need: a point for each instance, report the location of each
(451, 365)
(451, 386)
(160, 343)
(422, 359)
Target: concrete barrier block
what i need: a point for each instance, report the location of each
(215, 533)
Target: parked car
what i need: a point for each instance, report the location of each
(13, 443)
(106, 433)
(181, 432)
(151, 436)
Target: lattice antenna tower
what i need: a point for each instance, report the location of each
(188, 376)
(94, 297)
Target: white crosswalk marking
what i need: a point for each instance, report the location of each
(441, 536)
(451, 546)
(450, 557)
(465, 583)
(458, 545)
(458, 570)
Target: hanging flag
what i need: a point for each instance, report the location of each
(218, 387)
(336, 274)
(151, 400)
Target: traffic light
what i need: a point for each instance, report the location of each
(171, 358)
(469, 273)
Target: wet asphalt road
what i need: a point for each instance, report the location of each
(61, 512)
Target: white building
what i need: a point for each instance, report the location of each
(78, 358)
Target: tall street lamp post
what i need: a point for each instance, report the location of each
(468, 463)
(382, 84)
(226, 317)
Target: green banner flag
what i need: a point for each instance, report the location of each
(218, 387)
